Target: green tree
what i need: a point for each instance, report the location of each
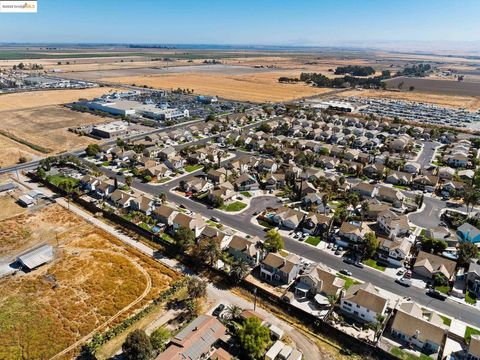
(273, 241)
(239, 270)
(254, 338)
(159, 338)
(265, 128)
(439, 279)
(208, 250)
(137, 346)
(431, 245)
(196, 287)
(233, 312)
(184, 238)
(371, 245)
(466, 251)
(216, 201)
(92, 149)
(128, 181)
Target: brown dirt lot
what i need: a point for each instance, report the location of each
(9, 208)
(48, 127)
(34, 99)
(468, 102)
(257, 87)
(92, 279)
(10, 152)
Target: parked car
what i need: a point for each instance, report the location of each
(338, 252)
(348, 260)
(214, 218)
(346, 272)
(359, 264)
(256, 213)
(218, 310)
(408, 274)
(329, 245)
(436, 294)
(404, 282)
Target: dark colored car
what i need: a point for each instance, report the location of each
(346, 272)
(218, 310)
(348, 260)
(436, 294)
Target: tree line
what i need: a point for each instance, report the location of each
(355, 70)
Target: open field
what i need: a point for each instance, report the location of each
(9, 208)
(468, 102)
(92, 280)
(34, 99)
(10, 152)
(48, 127)
(259, 87)
(449, 87)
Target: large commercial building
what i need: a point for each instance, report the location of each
(110, 130)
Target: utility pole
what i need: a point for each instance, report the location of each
(255, 300)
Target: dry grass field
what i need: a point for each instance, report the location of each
(468, 102)
(9, 208)
(34, 99)
(255, 87)
(11, 151)
(92, 280)
(48, 127)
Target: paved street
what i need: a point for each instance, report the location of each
(428, 151)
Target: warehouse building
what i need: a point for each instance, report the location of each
(110, 130)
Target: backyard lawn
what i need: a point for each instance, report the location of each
(407, 356)
(246, 194)
(313, 240)
(373, 263)
(191, 168)
(235, 206)
(58, 179)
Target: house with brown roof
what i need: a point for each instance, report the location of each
(427, 265)
(425, 182)
(246, 182)
(194, 223)
(315, 223)
(196, 341)
(279, 270)
(121, 199)
(319, 279)
(365, 190)
(287, 217)
(394, 252)
(375, 170)
(164, 214)
(143, 203)
(197, 185)
(245, 249)
(399, 178)
(390, 195)
(217, 176)
(225, 191)
(158, 172)
(352, 232)
(364, 303)
(419, 327)
(274, 181)
(393, 224)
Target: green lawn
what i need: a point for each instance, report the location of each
(58, 179)
(372, 263)
(144, 226)
(407, 356)
(469, 332)
(402, 187)
(348, 281)
(443, 289)
(446, 320)
(246, 194)
(235, 206)
(214, 224)
(313, 240)
(470, 299)
(165, 179)
(191, 168)
(265, 224)
(283, 253)
(105, 163)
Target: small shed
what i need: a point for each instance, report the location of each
(285, 353)
(276, 331)
(26, 201)
(36, 257)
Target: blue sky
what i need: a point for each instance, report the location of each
(280, 22)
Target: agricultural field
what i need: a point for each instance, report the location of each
(47, 127)
(471, 103)
(93, 283)
(448, 87)
(35, 99)
(255, 87)
(11, 151)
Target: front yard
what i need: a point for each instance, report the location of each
(191, 168)
(374, 264)
(348, 281)
(469, 332)
(313, 240)
(470, 298)
(235, 206)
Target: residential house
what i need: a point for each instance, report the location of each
(175, 163)
(194, 223)
(121, 199)
(399, 178)
(89, 183)
(473, 352)
(427, 265)
(365, 190)
(364, 303)
(394, 252)
(105, 187)
(412, 167)
(158, 172)
(319, 279)
(452, 188)
(393, 224)
(274, 181)
(197, 185)
(279, 270)
(426, 182)
(267, 165)
(374, 209)
(468, 232)
(152, 151)
(457, 160)
(167, 153)
(225, 191)
(196, 341)
(473, 278)
(165, 214)
(316, 224)
(419, 327)
(390, 195)
(245, 249)
(446, 173)
(312, 198)
(352, 232)
(287, 217)
(217, 176)
(143, 203)
(246, 182)
(374, 171)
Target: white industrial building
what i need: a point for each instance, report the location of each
(36, 257)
